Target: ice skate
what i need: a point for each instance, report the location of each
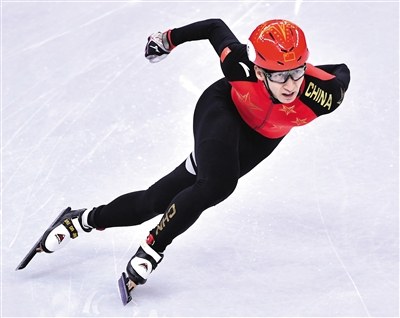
(141, 265)
(68, 225)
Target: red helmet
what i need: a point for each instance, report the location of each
(277, 45)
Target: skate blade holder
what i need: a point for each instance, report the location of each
(125, 288)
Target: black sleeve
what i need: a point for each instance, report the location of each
(340, 71)
(325, 87)
(236, 65)
(214, 30)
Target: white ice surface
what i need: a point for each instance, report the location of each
(313, 231)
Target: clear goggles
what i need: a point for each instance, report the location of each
(283, 76)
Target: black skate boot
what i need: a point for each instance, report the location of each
(139, 268)
(67, 227)
(143, 262)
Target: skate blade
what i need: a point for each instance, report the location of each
(37, 248)
(125, 288)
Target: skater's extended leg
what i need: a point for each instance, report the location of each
(129, 209)
(140, 206)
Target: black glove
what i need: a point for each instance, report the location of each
(157, 47)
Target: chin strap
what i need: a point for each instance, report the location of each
(271, 96)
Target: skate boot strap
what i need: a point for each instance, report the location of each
(58, 236)
(69, 225)
(148, 250)
(143, 263)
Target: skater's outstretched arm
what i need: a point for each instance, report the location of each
(159, 44)
(214, 30)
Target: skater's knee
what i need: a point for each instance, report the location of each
(218, 169)
(218, 186)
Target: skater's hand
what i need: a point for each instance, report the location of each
(157, 47)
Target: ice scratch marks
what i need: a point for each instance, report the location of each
(61, 34)
(26, 122)
(37, 44)
(245, 15)
(95, 299)
(329, 237)
(37, 145)
(116, 126)
(92, 151)
(101, 17)
(52, 38)
(32, 88)
(88, 304)
(297, 6)
(23, 218)
(340, 260)
(132, 238)
(117, 261)
(50, 83)
(20, 221)
(78, 115)
(39, 208)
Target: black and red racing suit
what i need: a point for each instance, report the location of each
(236, 126)
(321, 93)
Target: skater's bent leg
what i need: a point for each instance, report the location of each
(216, 179)
(140, 206)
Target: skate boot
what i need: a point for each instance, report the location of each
(143, 262)
(67, 227)
(139, 268)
